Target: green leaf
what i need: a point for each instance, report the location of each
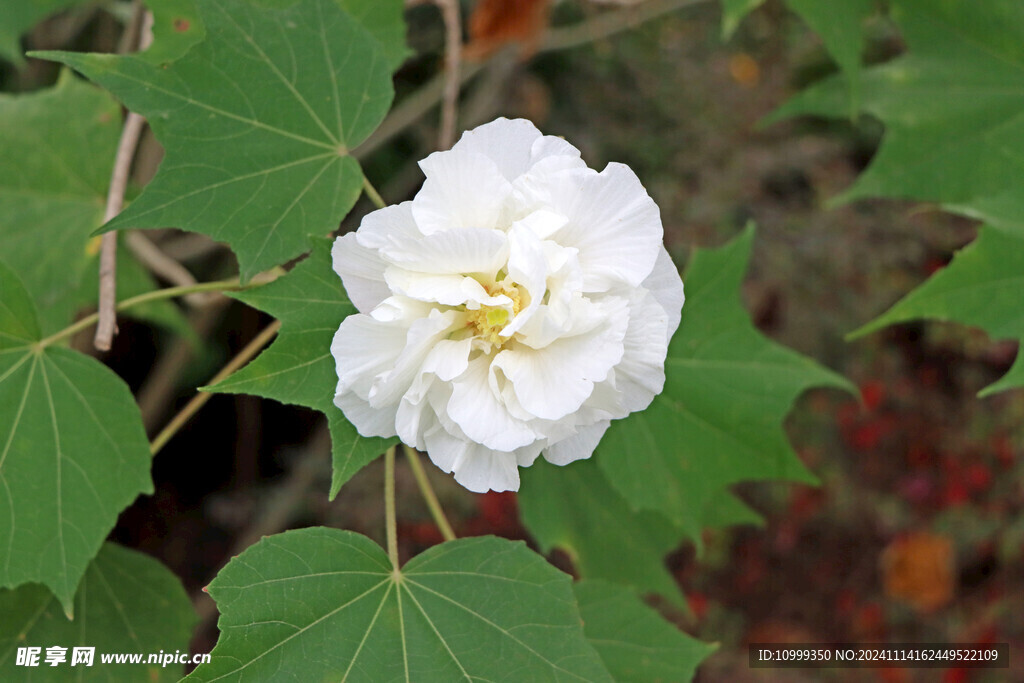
(324, 604)
(64, 139)
(73, 452)
(132, 280)
(840, 26)
(127, 602)
(298, 368)
(718, 420)
(18, 16)
(982, 287)
(951, 108)
(258, 121)
(576, 509)
(733, 12)
(635, 643)
(176, 28)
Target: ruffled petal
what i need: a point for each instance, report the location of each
(612, 221)
(462, 190)
(481, 414)
(361, 271)
(640, 376)
(387, 226)
(576, 447)
(667, 287)
(364, 348)
(367, 420)
(554, 381)
(450, 290)
(422, 336)
(472, 250)
(508, 143)
(476, 467)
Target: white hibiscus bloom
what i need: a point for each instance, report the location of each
(515, 307)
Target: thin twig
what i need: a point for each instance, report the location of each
(138, 35)
(452, 62)
(601, 26)
(436, 511)
(156, 295)
(200, 399)
(163, 266)
(107, 327)
(607, 24)
(389, 506)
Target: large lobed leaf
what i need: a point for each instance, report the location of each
(298, 368)
(18, 16)
(838, 23)
(473, 609)
(73, 452)
(63, 141)
(127, 603)
(634, 642)
(575, 508)
(983, 287)
(952, 108)
(258, 121)
(718, 420)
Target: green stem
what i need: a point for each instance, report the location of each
(168, 293)
(200, 399)
(428, 494)
(372, 193)
(389, 506)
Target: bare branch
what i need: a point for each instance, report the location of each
(139, 30)
(452, 63)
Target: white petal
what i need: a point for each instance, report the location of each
(667, 287)
(472, 250)
(476, 467)
(364, 348)
(480, 413)
(508, 144)
(462, 190)
(422, 336)
(541, 223)
(361, 271)
(367, 420)
(640, 376)
(527, 266)
(390, 225)
(613, 222)
(450, 290)
(555, 381)
(576, 447)
(482, 469)
(551, 146)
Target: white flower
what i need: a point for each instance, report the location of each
(515, 307)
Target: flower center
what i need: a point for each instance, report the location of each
(488, 321)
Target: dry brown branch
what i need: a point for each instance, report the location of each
(452, 62)
(140, 31)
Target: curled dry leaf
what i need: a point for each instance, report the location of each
(497, 23)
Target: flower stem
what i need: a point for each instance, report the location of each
(166, 293)
(372, 193)
(428, 494)
(389, 506)
(200, 399)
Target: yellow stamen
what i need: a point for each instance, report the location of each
(490, 320)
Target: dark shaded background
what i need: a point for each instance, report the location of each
(916, 533)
